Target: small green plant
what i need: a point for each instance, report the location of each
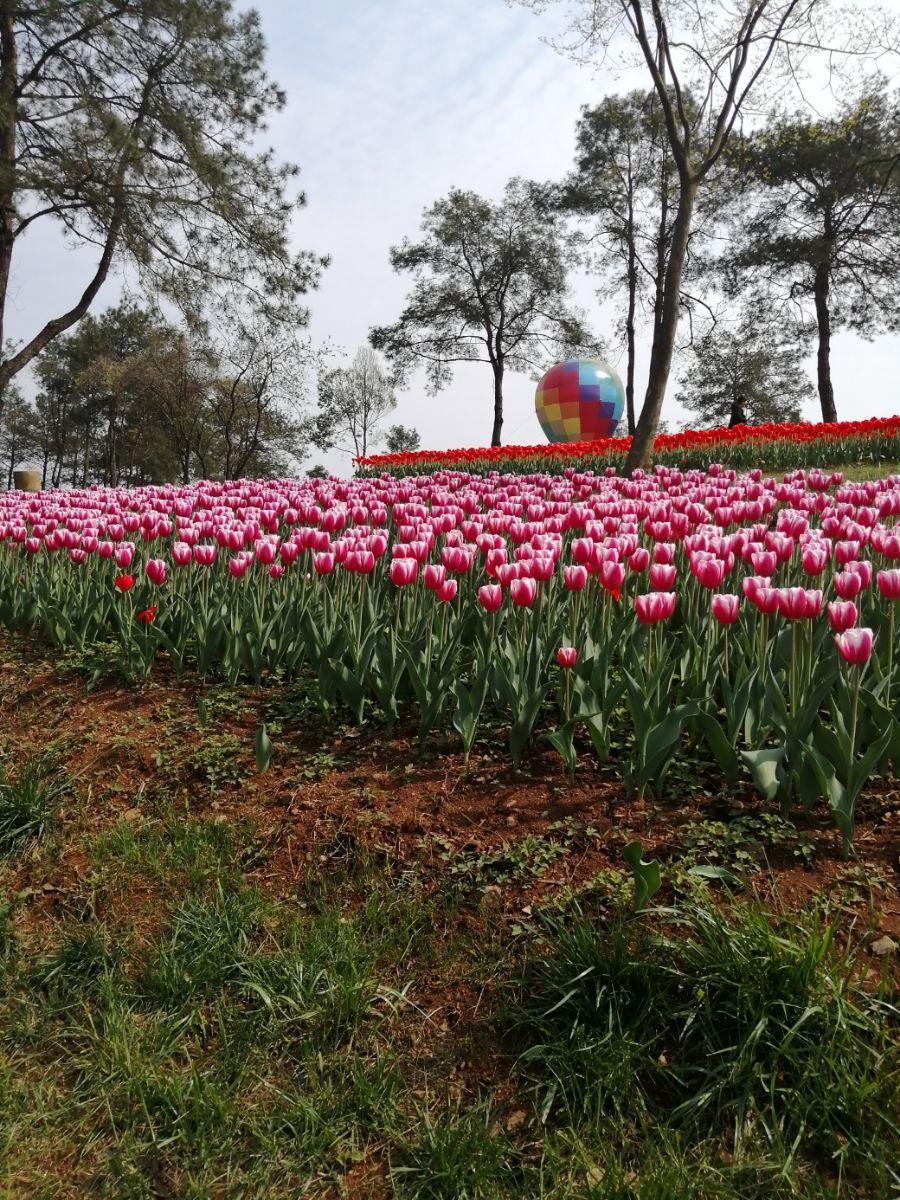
(219, 759)
(28, 805)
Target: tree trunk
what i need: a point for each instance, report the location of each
(629, 330)
(498, 403)
(8, 112)
(664, 335)
(823, 354)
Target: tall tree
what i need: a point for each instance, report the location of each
(254, 412)
(18, 431)
(753, 361)
(129, 125)
(718, 54)
(816, 223)
(489, 285)
(402, 438)
(622, 184)
(353, 401)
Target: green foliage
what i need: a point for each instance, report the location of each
(816, 220)
(754, 362)
(720, 1026)
(136, 130)
(28, 805)
(489, 285)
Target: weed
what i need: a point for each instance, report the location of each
(221, 760)
(28, 805)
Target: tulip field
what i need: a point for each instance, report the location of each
(728, 619)
(524, 836)
(781, 447)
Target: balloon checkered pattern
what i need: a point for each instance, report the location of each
(580, 400)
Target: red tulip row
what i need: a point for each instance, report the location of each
(786, 447)
(751, 618)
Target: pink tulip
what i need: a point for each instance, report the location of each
(814, 558)
(124, 554)
(276, 570)
(403, 571)
(238, 566)
(156, 571)
(639, 559)
(889, 584)
(654, 606)
(841, 615)
(181, 554)
(32, 545)
(766, 600)
(725, 608)
(664, 552)
(575, 578)
(490, 596)
(582, 551)
(433, 575)
(662, 577)
(265, 551)
(205, 553)
(855, 645)
(446, 590)
(567, 656)
(797, 603)
(863, 569)
(323, 563)
(523, 592)
(709, 572)
(764, 562)
(848, 584)
(612, 576)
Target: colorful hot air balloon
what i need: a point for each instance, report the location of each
(579, 400)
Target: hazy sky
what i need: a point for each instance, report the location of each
(390, 104)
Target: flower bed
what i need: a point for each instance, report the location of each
(784, 447)
(749, 619)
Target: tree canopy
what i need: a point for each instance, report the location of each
(489, 284)
(707, 61)
(751, 361)
(131, 126)
(816, 221)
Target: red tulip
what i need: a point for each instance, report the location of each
(123, 582)
(146, 615)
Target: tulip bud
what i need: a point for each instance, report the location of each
(567, 656)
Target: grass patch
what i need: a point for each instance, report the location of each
(28, 805)
(766, 1039)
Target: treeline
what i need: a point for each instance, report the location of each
(128, 398)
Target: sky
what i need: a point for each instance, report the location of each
(390, 103)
